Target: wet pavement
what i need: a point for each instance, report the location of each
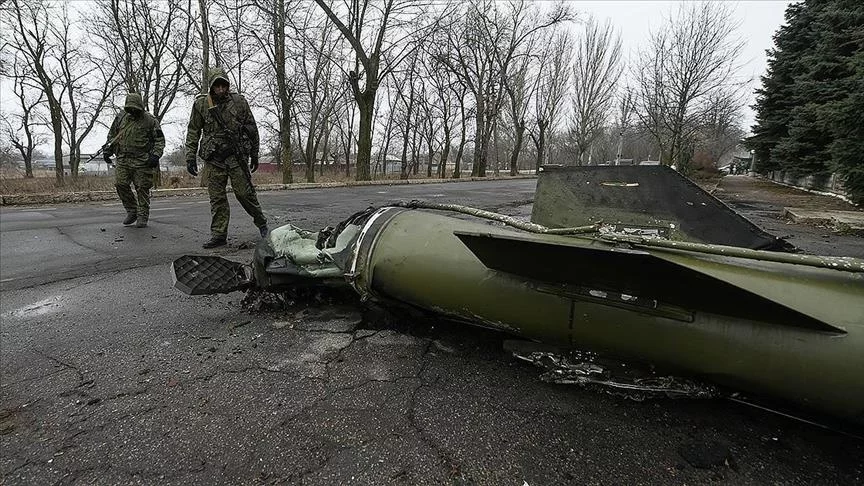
(768, 205)
(113, 377)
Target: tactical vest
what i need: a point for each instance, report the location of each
(221, 134)
(134, 135)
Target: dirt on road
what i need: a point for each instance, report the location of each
(744, 189)
(763, 202)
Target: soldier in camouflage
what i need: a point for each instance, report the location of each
(229, 147)
(136, 139)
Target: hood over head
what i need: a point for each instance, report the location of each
(134, 102)
(218, 74)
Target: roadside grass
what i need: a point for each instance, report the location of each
(44, 181)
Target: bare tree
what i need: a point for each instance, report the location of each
(482, 48)
(430, 123)
(318, 90)
(86, 86)
(234, 45)
(31, 24)
(151, 42)
(720, 130)
(277, 13)
(519, 90)
(24, 135)
(388, 131)
(624, 119)
(692, 56)
(348, 136)
(552, 81)
(381, 35)
(650, 100)
(445, 89)
(596, 70)
(204, 33)
(407, 95)
(453, 87)
(465, 114)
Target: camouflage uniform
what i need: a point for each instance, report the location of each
(225, 146)
(136, 139)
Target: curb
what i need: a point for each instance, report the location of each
(847, 222)
(76, 197)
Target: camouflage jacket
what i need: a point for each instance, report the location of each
(135, 137)
(235, 134)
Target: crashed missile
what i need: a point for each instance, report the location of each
(782, 326)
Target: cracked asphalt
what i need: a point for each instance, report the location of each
(110, 376)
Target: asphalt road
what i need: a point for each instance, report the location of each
(763, 203)
(42, 244)
(110, 376)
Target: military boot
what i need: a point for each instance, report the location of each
(130, 218)
(215, 241)
(142, 222)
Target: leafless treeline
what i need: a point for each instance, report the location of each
(375, 86)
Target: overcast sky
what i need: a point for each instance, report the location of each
(635, 19)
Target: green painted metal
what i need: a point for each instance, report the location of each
(642, 196)
(776, 329)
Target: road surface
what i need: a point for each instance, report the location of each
(110, 376)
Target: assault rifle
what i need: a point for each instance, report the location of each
(235, 145)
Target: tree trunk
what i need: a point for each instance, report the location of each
(74, 161)
(285, 95)
(496, 145)
(415, 153)
(431, 153)
(364, 134)
(205, 46)
(310, 170)
(463, 138)
(541, 145)
(285, 149)
(445, 154)
(348, 151)
(479, 168)
(324, 151)
(514, 159)
(309, 156)
(57, 127)
(405, 142)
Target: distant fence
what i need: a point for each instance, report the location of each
(828, 183)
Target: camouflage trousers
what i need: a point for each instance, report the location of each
(135, 172)
(244, 191)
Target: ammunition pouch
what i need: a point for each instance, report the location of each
(214, 149)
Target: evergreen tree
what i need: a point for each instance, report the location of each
(809, 109)
(776, 99)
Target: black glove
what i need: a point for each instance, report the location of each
(192, 167)
(253, 163)
(153, 160)
(107, 157)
